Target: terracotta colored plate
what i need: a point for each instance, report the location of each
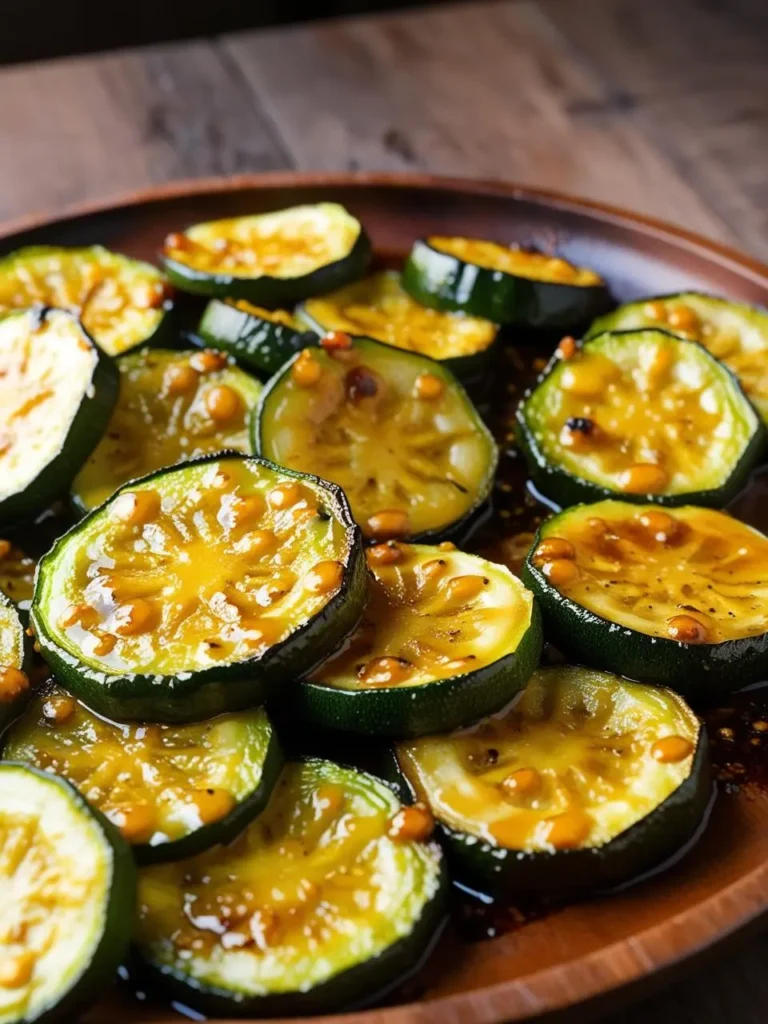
(593, 951)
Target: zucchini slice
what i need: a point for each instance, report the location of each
(173, 791)
(199, 589)
(57, 391)
(394, 429)
(733, 332)
(272, 259)
(260, 339)
(172, 407)
(586, 782)
(641, 415)
(15, 687)
(327, 900)
(17, 575)
(380, 308)
(121, 302)
(446, 638)
(677, 597)
(503, 284)
(69, 896)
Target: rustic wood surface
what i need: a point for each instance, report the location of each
(658, 105)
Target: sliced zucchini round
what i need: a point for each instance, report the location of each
(641, 415)
(17, 576)
(446, 638)
(121, 302)
(587, 781)
(69, 896)
(57, 391)
(327, 900)
(503, 284)
(199, 589)
(379, 307)
(733, 332)
(271, 259)
(172, 407)
(173, 791)
(260, 339)
(394, 429)
(15, 689)
(677, 597)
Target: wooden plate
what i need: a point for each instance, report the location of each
(596, 951)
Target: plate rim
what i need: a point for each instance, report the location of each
(614, 969)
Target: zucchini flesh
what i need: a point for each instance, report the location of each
(69, 893)
(678, 596)
(14, 682)
(644, 415)
(57, 391)
(121, 302)
(193, 590)
(394, 429)
(260, 339)
(315, 907)
(378, 307)
(446, 638)
(733, 332)
(171, 790)
(172, 407)
(271, 259)
(583, 759)
(516, 261)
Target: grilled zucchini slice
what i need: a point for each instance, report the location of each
(172, 407)
(271, 259)
(57, 391)
(121, 302)
(733, 332)
(325, 902)
(394, 429)
(677, 596)
(196, 590)
(260, 339)
(587, 781)
(641, 415)
(69, 895)
(503, 284)
(380, 308)
(173, 791)
(446, 638)
(15, 689)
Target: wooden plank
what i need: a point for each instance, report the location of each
(90, 127)
(485, 89)
(692, 77)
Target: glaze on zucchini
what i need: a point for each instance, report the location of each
(446, 638)
(173, 791)
(121, 302)
(587, 781)
(68, 889)
(15, 689)
(642, 415)
(199, 589)
(172, 407)
(57, 391)
(677, 597)
(271, 259)
(378, 307)
(503, 284)
(733, 332)
(325, 902)
(394, 429)
(17, 576)
(260, 339)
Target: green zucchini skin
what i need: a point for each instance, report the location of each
(446, 704)
(564, 489)
(257, 344)
(85, 431)
(195, 696)
(445, 282)
(119, 912)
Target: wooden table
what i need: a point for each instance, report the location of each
(657, 105)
